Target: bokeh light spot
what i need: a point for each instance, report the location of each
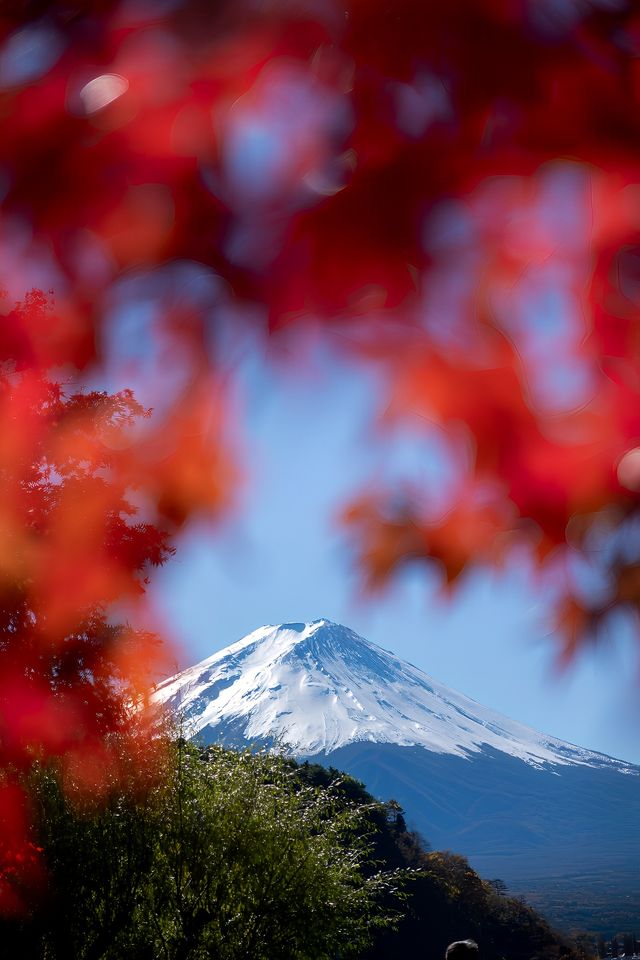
(101, 91)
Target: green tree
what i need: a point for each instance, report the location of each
(255, 863)
(98, 853)
(225, 855)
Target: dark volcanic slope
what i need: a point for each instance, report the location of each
(512, 820)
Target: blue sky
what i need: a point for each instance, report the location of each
(307, 443)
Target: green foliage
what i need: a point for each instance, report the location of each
(228, 855)
(255, 864)
(100, 860)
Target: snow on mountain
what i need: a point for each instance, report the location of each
(316, 687)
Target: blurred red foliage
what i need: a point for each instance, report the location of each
(455, 186)
(20, 867)
(72, 545)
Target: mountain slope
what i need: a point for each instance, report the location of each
(317, 687)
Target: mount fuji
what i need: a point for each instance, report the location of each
(519, 804)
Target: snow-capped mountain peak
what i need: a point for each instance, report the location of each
(318, 686)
